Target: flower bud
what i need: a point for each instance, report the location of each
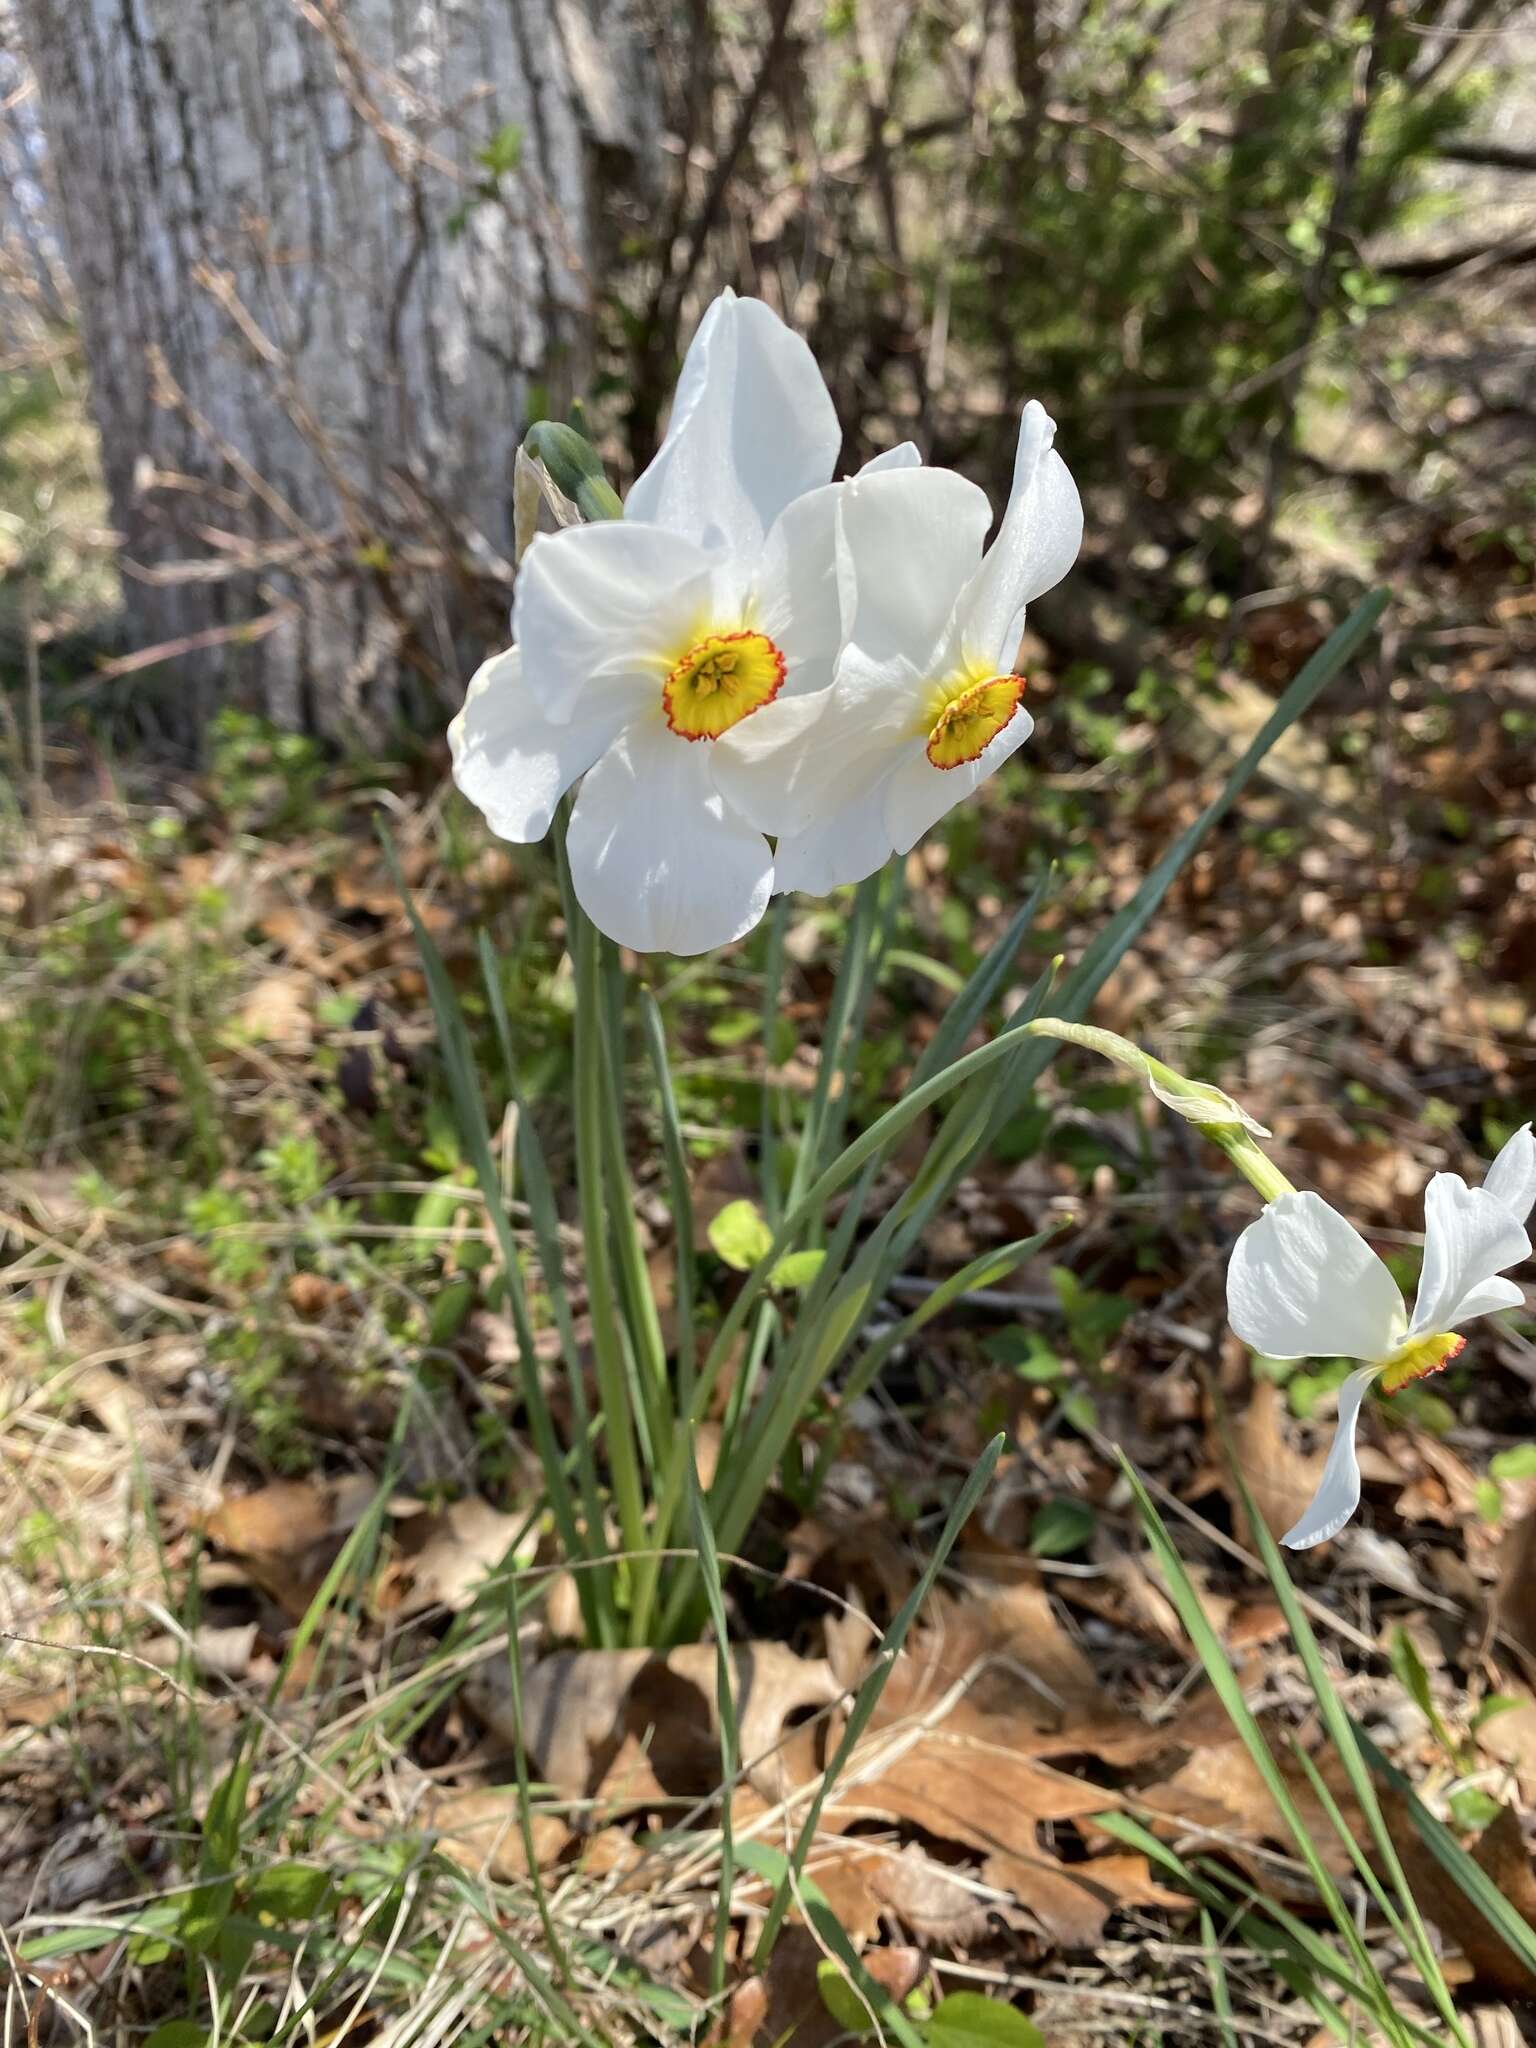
(574, 467)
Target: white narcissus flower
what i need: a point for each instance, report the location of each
(1303, 1283)
(648, 646)
(925, 704)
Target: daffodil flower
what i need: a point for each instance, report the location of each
(648, 647)
(925, 704)
(1303, 1283)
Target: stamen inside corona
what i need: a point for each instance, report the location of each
(966, 714)
(1416, 1361)
(721, 680)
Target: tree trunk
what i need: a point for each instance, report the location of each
(324, 251)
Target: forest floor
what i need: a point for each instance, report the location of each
(249, 1273)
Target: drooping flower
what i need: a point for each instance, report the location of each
(1303, 1283)
(647, 647)
(925, 704)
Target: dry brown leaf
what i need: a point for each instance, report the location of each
(1073, 1901)
(628, 1727)
(1501, 1851)
(36, 1709)
(226, 1651)
(786, 2005)
(1514, 1600)
(1217, 1799)
(927, 1897)
(856, 1556)
(290, 1516)
(479, 1830)
(366, 886)
(122, 1409)
(288, 1534)
(1495, 2026)
(276, 1012)
(310, 1295)
(447, 1556)
(1281, 1479)
(1444, 1492)
(614, 1852)
(868, 1879)
(959, 1746)
(1510, 1739)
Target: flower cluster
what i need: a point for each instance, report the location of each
(755, 653)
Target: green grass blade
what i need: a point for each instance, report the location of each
(735, 1497)
(852, 968)
(568, 2026)
(1469, 1877)
(1216, 1970)
(730, 1734)
(607, 1342)
(851, 1040)
(1341, 1730)
(525, 1790)
(774, 1866)
(864, 1150)
(771, 1120)
(675, 1156)
(1260, 1922)
(870, 1145)
(641, 1318)
(458, 1060)
(1336, 652)
(986, 1271)
(1099, 961)
(986, 980)
(1308, 1952)
(868, 1696)
(1228, 1689)
(595, 1589)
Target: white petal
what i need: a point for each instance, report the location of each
(1338, 1491)
(657, 859)
(794, 594)
(512, 762)
(1512, 1176)
(752, 427)
(1303, 1283)
(802, 760)
(765, 766)
(905, 455)
(1470, 1236)
(910, 541)
(607, 599)
(1036, 544)
(842, 845)
(919, 794)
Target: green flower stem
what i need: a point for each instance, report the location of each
(772, 1100)
(1251, 1161)
(650, 1350)
(844, 1002)
(1212, 1112)
(676, 1155)
(867, 1147)
(607, 1339)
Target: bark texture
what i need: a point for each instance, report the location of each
(316, 292)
